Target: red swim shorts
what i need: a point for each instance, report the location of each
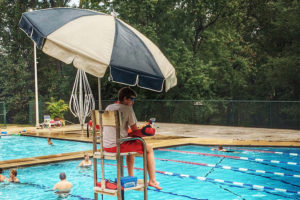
(128, 146)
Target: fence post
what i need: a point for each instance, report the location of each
(4, 113)
(30, 112)
(232, 108)
(270, 113)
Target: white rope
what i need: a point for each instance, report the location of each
(81, 107)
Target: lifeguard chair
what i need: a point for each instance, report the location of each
(112, 118)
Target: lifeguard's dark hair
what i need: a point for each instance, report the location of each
(126, 92)
(62, 176)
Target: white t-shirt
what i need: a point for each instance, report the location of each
(128, 119)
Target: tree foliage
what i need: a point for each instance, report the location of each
(239, 49)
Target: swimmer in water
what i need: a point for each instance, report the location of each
(63, 187)
(2, 178)
(13, 176)
(220, 148)
(86, 162)
(49, 141)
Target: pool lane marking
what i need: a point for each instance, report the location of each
(231, 157)
(273, 152)
(175, 194)
(245, 185)
(231, 168)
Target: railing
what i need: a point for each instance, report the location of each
(263, 114)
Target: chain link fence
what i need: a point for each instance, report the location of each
(2, 115)
(262, 114)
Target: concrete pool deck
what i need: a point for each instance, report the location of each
(167, 134)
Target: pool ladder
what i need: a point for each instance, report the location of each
(112, 118)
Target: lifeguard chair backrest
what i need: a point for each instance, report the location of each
(109, 118)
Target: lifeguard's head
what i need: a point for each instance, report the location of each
(126, 96)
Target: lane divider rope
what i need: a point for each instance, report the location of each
(231, 168)
(231, 157)
(264, 151)
(244, 185)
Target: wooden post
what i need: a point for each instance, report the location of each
(118, 157)
(101, 152)
(94, 150)
(145, 170)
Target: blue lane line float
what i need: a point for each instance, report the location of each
(264, 151)
(175, 194)
(231, 168)
(232, 157)
(245, 185)
(234, 183)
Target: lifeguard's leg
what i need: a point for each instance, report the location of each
(130, 163)
(151, 168)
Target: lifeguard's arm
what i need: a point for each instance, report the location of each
(134, 127)
(54, 187)
(80, 164)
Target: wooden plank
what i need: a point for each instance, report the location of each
(108, 118)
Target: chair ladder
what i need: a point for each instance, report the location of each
(112, 118)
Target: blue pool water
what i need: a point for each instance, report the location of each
(37, 181)
(13, 147)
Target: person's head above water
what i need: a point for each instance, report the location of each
(1, 170)
(13, 172)
(86, 157)
(220, 148)
(62, 176)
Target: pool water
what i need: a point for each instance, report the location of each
(184, 165)
(13, 147)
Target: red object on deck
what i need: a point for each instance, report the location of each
(91, 125)
(145, 131)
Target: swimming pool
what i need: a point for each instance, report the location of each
(13, 147)
(185, 172)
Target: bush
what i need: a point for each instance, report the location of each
(57, 108)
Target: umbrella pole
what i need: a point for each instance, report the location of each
(101, 132)
(37, 123)
(81, 102)
(99, 94)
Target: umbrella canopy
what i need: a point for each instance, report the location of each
(94, 41)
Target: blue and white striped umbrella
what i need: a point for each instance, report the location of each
(94, 41)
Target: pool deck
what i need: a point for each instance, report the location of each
(167, 135)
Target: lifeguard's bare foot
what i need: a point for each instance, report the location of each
(154, 184)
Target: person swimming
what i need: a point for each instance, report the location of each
(220, 148)
(13, 176)
(2, 178)
(63, 187)
(49, 141)
(86, 162)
